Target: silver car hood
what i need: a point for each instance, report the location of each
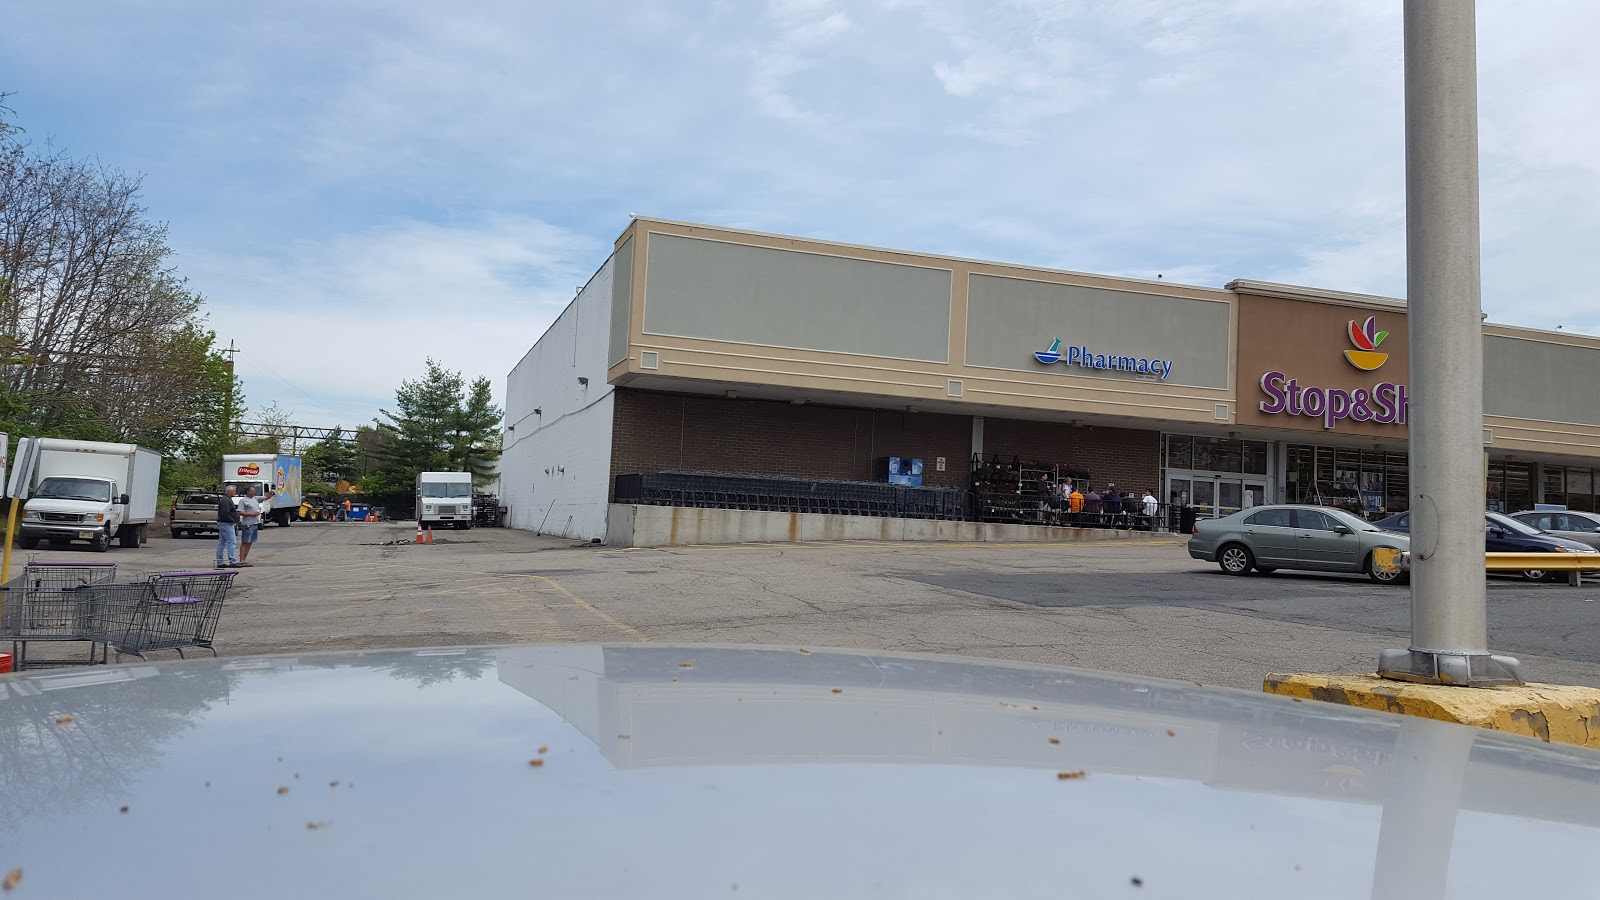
(697, 771)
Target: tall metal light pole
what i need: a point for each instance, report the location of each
(1449, 616)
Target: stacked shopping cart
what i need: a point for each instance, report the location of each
(85, 603)
(43, 605)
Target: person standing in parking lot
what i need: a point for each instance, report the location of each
(227, 537)
(249, 524)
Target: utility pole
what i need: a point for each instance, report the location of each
(1449, 613)
(227, 427)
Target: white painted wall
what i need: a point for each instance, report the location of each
(556, 468)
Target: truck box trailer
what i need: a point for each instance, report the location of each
(89, 491)
(266, 472)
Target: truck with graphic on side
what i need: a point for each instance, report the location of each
(269, 473)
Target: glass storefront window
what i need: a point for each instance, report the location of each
(1580, 489)
(1495, 495)
(1555, 485)
(1519, 486)
(1398, 487)
(1179, 451)
(1255, 457)
(1228, 456)
(1204, 449)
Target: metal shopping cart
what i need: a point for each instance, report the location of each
(44, 604)
(171, 611)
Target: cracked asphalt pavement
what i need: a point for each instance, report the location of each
(1141, 607)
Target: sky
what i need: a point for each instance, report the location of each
(355, 186)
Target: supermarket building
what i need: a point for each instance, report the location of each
(704, 349)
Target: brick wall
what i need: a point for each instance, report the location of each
(1129, 458)
(654, 431)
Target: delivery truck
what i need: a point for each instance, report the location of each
(270, 474)
(87, 491)
(444, 499)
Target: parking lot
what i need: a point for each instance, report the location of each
(1137, 606)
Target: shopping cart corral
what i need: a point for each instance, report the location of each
(43, 604)
(171, 611)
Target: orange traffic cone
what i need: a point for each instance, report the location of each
(419, 533)
(428, 536)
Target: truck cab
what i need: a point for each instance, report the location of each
(66, 508)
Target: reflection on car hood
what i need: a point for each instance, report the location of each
(693, 771)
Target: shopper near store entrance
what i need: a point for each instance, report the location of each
(1075, 504)
(1044, 493)
(249, 524)
(227, 537)
(1151, 508)
(1111, 503)
(1091, 503)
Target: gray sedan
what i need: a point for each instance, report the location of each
(1319, 538)
(1583, 527)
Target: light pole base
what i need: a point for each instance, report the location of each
(1460, 669)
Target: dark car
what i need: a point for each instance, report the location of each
(1503, 534)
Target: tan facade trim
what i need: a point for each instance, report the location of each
(1315, 295)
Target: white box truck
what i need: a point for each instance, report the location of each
(264, 471)
(445, 499)
(85, 491)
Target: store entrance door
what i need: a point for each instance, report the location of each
(1214, 496)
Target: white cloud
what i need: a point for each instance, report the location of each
(355, 167)
(356, 314)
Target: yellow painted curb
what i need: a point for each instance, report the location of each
(1558, 713)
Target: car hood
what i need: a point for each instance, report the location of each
(695, 771)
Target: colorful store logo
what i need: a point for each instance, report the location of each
(1081, 356)
(251, 469)
(1366, 339)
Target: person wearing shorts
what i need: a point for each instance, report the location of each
(249, 524)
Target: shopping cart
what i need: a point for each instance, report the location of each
(44, 604)
(171, 611)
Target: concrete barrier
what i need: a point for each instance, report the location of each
(628, 525)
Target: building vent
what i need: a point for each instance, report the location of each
(1221, 412)
(1488, 435)
(955, 388)
(649, 359)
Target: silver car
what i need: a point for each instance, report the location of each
(1583, 527)
(1319, 538)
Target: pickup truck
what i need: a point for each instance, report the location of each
(194, 510)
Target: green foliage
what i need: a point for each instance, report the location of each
(440, 424)
(330, 460)
(100, 339)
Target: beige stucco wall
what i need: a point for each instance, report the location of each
(803, 350)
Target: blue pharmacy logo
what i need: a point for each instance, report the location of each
(1053, 355)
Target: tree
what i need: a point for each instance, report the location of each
(100, 338)
(330, 460)
(440, 423)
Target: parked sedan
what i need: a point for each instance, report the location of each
(1503, 534)
(1583, 527)
(1319, 538)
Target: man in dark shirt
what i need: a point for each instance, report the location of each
(227, 530)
